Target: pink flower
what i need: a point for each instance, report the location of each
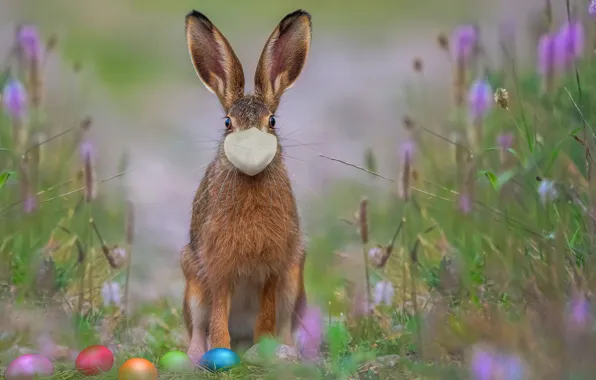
(465, 203)
(546, 54)
(569, 43)
(14, 99)
(480, 99)
(465, 38)
(310, 333)
(28, 39)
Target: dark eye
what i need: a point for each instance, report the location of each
(272, 122)
(228, 122)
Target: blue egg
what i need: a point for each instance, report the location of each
(219, 359)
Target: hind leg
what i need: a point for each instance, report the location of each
(196, 315)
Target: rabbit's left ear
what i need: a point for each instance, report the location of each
(283, 57)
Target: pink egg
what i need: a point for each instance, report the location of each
(29, 366)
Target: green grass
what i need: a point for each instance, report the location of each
(515, 261)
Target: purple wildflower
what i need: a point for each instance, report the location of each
(375, 253)
(547, 191)
(407, 150)
(29, 203)
(505, 140)
(579, 312)
(310, 333)
(482, 365)
(488, 365)
(383, 293)
(569, 43)
(480, 99)
(87, 151)
(28, 40)
(465, 38)
(546, 54)
(465, 203)
(14, 99)
(592, 8)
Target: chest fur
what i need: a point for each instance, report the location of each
(254, 218)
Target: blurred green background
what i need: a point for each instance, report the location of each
(140, 88)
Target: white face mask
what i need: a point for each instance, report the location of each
(251, 150)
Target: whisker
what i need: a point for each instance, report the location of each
(294, 158)
(303, 144)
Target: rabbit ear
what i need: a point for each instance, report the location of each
(283, 57)
(215, 62)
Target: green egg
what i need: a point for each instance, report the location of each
(176, 361)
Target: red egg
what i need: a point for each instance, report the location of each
(94, 360)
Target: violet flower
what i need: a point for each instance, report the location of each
(547, 191)
(87, 150)
(505, 141)
(407, 150)
(465, 38)
(465, 203)
(480, 99)
(110, 292)
(569, 43)
(14, 99)
(30, 203)
(29, 42)
(383, 293)
(592, 8)
(546, 54)
(310, 333)
(579, 312)
(490, 365)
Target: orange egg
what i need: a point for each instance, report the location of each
(137, 369)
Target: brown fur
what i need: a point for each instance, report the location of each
(244, 264)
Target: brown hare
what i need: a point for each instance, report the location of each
(244, 262)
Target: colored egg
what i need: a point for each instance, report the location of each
(28, 367)
(219, 359)
(137, 369)
(176, 361)
(94, 360)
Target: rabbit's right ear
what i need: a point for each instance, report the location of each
(215, 62)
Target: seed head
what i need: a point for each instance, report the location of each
(408, 123)
(443, 41)
(363, 220)
(418, 65)
(502, 98)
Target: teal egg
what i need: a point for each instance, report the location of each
(219, 359)
(176, 361)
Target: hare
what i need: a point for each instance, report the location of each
(244, 263)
